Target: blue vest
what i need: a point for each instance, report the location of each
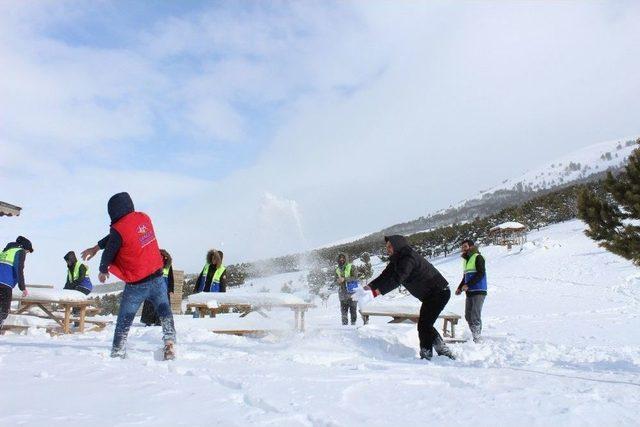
(470, 272)
(8, 272)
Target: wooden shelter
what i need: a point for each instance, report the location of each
(509, 234)
(7, 209)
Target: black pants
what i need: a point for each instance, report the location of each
(149, 315)
(429, 312)
(5, 302)
(345, 307)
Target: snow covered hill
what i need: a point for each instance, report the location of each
(575, 166)
(561, 348)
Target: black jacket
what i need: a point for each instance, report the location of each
(407, 267)
(118, 206)
(20, 256)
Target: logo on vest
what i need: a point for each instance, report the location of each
(145, 235)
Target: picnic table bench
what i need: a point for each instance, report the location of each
(448, 326)
(215, 302)
(45, 299)
(64, 322)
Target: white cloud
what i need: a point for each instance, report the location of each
(375, 112)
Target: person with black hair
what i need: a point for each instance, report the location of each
(474, 285)
(407, 267)
(12, 260)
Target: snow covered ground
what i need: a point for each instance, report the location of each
(561, 348)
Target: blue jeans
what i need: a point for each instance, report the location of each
(154, 290)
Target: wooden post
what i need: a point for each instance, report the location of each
(296, 315)
(83, 313)
(178, 287)
(302, 320)
(67, 313)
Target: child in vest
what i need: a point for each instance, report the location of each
(131, 253)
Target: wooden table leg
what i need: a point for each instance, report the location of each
(445, 332)
(83, 313)
(453, 328)
(296, 315)
(302, 320)
(67, 314)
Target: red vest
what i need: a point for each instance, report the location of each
(139, 256)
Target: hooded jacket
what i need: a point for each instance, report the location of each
(214, 260)
(118, 206)
(71, 260)
(18, 267)
(407, 267)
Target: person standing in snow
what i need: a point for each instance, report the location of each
(77, 275)
(213, 277)
(12, 273)
(407, 267)
(149, 315)
(132, 254)
(474, 284)
(347, 280)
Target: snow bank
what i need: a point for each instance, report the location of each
(389, 305)
(52, 295)
(29, 321)
(256, 299)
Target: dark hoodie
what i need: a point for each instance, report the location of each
(19, 266)
(407, 267)
(118, 206)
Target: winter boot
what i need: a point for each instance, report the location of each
(442, 349)
(426, 353)
(118, 353)
(169, 351)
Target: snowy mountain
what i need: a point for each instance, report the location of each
(584, 165)
(579, 165)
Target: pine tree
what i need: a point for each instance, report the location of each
(365, 271)
(613, 218)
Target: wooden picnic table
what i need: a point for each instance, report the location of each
(68, 306)
(299, 310)
(448, 326)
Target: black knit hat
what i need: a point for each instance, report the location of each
(24, 243)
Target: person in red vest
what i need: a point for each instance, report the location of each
(132, 254)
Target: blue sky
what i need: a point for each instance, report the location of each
(270, 127)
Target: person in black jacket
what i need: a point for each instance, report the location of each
(149, 314)
(407, 267)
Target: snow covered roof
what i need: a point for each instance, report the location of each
(509, 226)
(7, 209)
